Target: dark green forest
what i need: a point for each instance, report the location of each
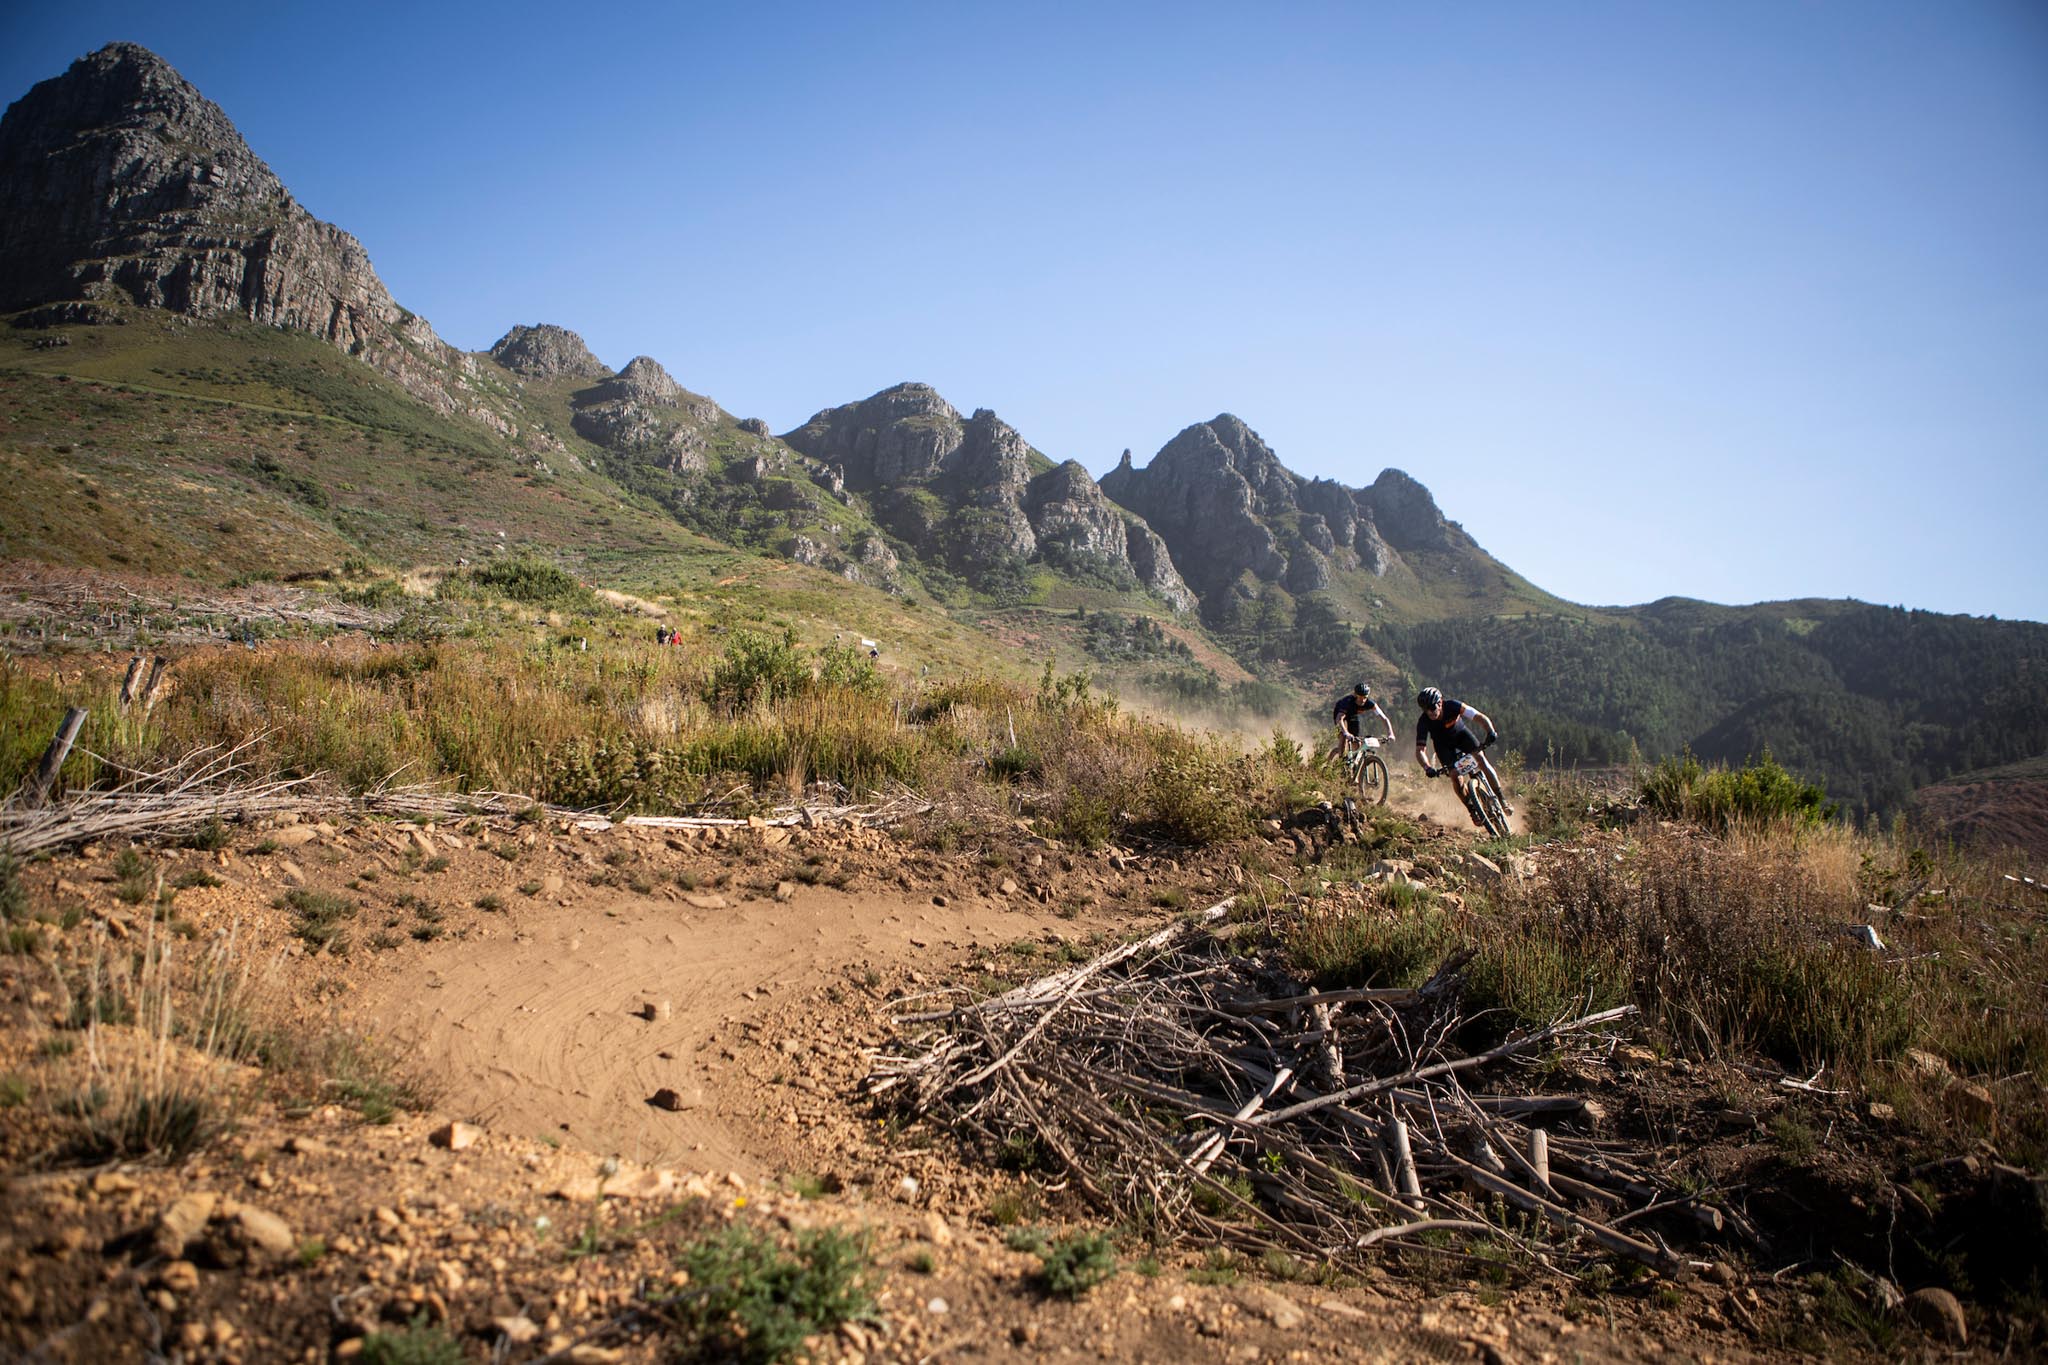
(1871, 701)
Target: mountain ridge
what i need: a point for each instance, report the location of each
(183, 276)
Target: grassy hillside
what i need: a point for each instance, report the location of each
(222, 451)
(236, 449)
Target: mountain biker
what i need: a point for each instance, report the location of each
(1448, 725)
(1352, 705)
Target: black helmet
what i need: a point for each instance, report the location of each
(1429, 699)
(1361, 690)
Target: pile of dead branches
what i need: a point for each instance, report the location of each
(215, 784)
(205, 785)
(1194, 1088)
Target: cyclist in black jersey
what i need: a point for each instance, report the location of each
(1447, 724)
(1348, 711)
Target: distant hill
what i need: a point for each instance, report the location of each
(201, 379)
(1878, 701)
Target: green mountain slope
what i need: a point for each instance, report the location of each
(1876, 701)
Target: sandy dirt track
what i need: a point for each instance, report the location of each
(542, 1031)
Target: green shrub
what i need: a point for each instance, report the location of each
(1371, 945)
(415, 1344)
(749, 1299)
(378, 592)
(1763, 792)
(208, 838)
(850, 669)
(757, 667)
(526, 579)
(1197, 796)
(319, 916)
(1076, 1263)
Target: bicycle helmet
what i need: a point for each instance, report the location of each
(1361, 690)
(1429, 699)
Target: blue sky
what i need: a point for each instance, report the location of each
(1735, 300)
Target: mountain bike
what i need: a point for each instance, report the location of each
(1480, 798)
(1367, 771)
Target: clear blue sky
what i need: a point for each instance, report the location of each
(1726, 300)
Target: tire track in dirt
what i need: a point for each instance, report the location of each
(539, 1032)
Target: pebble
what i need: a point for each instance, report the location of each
(456, 1137)
(1938, 1311)
(181, 1222)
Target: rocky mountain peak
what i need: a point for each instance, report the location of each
(644, 380)
(964, 490)
(545, 352)
(1406, 513)
(119, 178)
(1214, 493)
(1226, 442)
(901, 435)
(121, 185)
(642, 411)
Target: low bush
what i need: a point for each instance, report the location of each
(319, 917)
(759, 668)
(750, 1299)
(417, 1343)
(1376, 944)
(534, 581)
(1075, 1263)
(1762, 792)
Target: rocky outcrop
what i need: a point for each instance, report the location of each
(121, 185)
(1407, 515)
(972, 493)
(1214, 493)
(547, 352)
(1081, 530)
(900, 436)
(1153, 563)
(641, 411)
(1234, 516)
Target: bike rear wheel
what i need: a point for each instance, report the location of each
(1372, 781)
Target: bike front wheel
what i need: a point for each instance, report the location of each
(1491, 812)
(1372, 781)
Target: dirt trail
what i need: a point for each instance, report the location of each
(542, 1032)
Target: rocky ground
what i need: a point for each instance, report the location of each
(612, 1041)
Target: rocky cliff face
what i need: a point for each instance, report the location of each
(1236, 517)
(972, 492)
(121, 185)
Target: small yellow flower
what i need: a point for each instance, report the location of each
(740, 1202)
